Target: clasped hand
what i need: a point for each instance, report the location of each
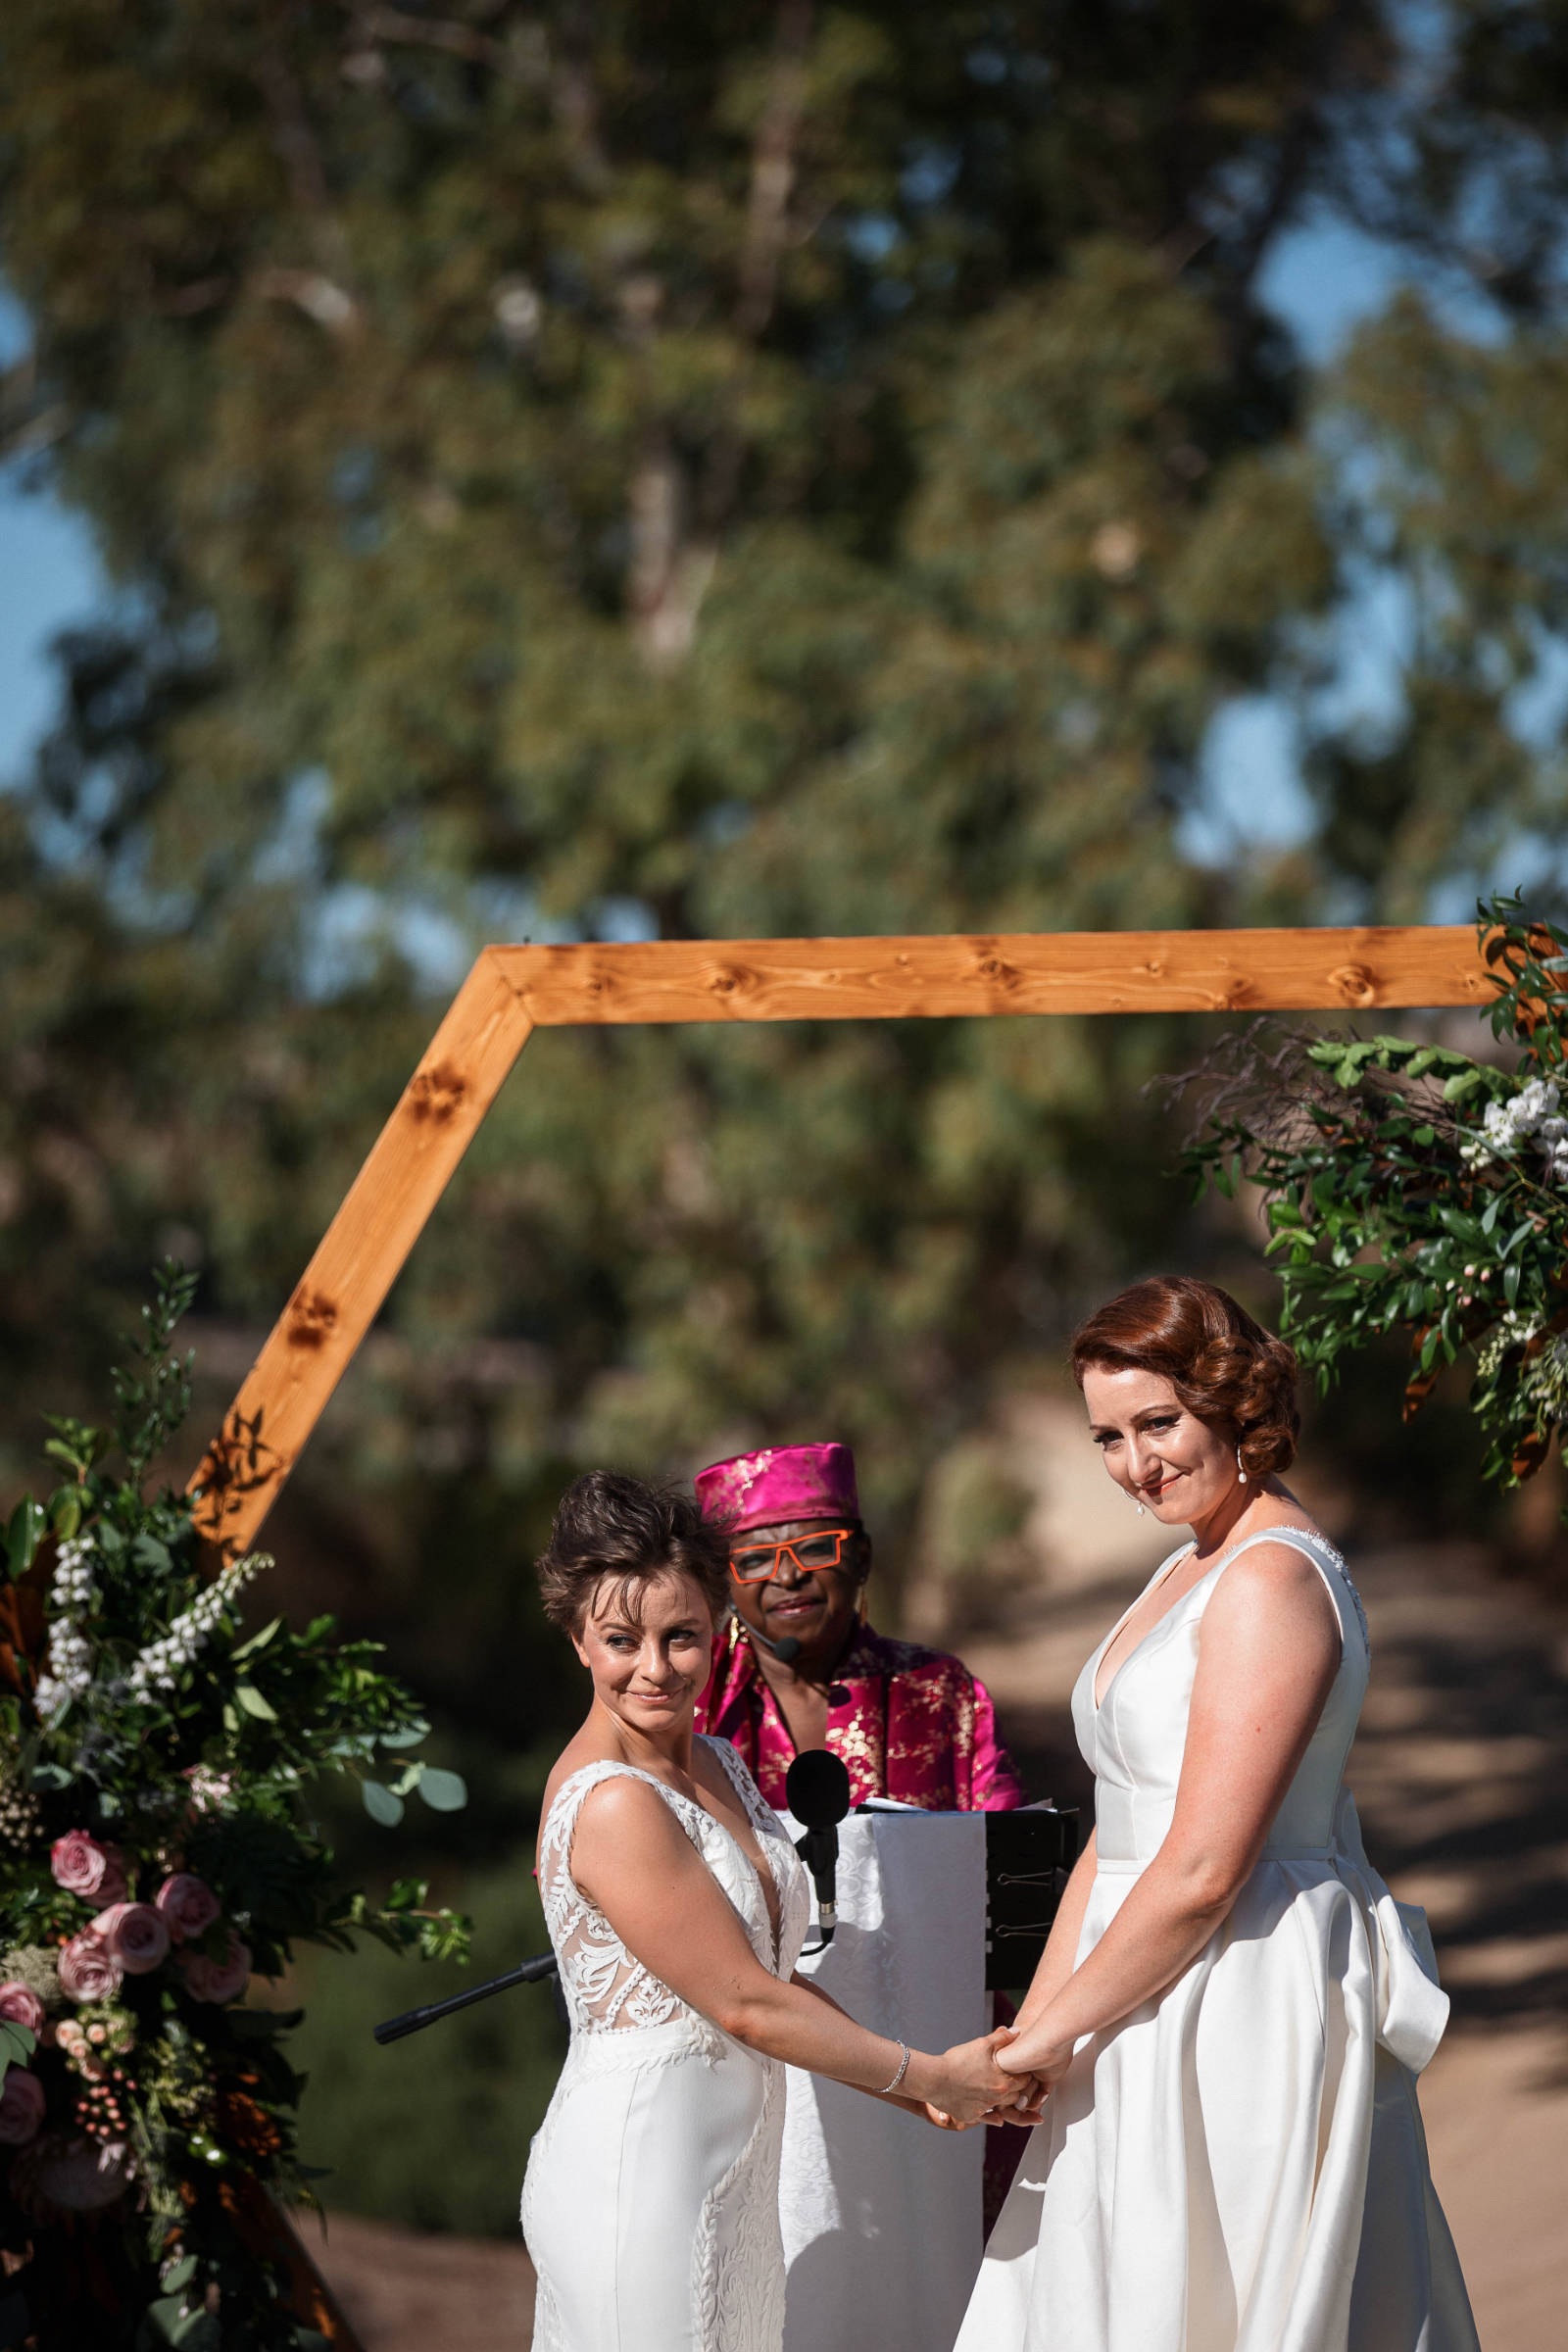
(982, 2091)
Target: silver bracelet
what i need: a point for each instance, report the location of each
(903, 2066)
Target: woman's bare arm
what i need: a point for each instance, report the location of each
(631, 1857)
(1061, 1944)
(1268, 1653)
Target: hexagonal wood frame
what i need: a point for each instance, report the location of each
(511, 991)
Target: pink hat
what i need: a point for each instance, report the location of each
(782, 1482)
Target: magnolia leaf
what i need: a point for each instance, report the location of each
(443, 1792)
(381, 1804)
(251, 1699)
(17, 2042)
(257, 1642)
(24, 1531)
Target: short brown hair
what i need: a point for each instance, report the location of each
(1223, 1366)
(607, 1524)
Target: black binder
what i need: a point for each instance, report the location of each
(1028, 1857)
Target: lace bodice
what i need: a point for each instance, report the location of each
(607, 1988)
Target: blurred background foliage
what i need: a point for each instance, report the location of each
(602, 471)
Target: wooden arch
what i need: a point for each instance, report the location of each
(513, 990)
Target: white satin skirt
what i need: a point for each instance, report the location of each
(1239, 2166)
(651, 2202)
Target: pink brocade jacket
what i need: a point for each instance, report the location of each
(913, 1724)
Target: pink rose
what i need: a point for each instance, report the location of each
(217, 1979)
(88, 1969)
(84, 1867)
(135, 1936)
(22, 2006)
(186, 1905)
(20, 2107)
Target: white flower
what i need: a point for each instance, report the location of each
(1534, 1114)
(66, 1671)
(160, 1665)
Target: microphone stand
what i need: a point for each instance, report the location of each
(528, 1971)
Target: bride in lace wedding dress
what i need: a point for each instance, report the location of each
(676, 1906)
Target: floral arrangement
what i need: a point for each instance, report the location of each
(1411, 1187)
(155, 1855)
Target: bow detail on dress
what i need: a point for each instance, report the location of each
(1412, 2006)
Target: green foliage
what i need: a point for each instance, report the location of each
(1410, 1188)
(156, 1765)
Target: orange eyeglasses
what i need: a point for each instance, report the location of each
(760, 1563)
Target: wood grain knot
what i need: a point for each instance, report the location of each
(437, 1093)
(996, 972)
(1354, 984)
(729, 980)
(312, 1319)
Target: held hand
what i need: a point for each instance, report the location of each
(1039, 2056)
(973, 2086)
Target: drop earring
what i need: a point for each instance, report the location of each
(1241, 1471)
(1139, 1507)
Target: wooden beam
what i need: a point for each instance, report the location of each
(511, 991)
(1353, 969)
(361, 1255)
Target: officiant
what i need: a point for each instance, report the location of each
(910, 1723)
(883, 2224)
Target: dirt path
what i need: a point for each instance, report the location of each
(1461, 1774)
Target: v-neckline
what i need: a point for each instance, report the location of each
(1257, 1536)
(775, 1924)
(1098, 1699)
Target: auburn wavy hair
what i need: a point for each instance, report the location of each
(1223, 1366)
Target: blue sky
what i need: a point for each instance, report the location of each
(1322, 279)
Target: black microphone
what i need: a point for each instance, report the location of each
(786, 1650)
(817, 1790)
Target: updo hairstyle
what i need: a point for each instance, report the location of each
(1223, 1366)
(609, 1525)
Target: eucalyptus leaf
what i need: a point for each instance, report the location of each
(381, 1804)
(409, 1737)
(443, 1792)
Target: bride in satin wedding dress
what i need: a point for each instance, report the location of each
(1232, 2010)
(676, 1906)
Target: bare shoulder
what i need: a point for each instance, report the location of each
(623, 1805)
(1273, 1588)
